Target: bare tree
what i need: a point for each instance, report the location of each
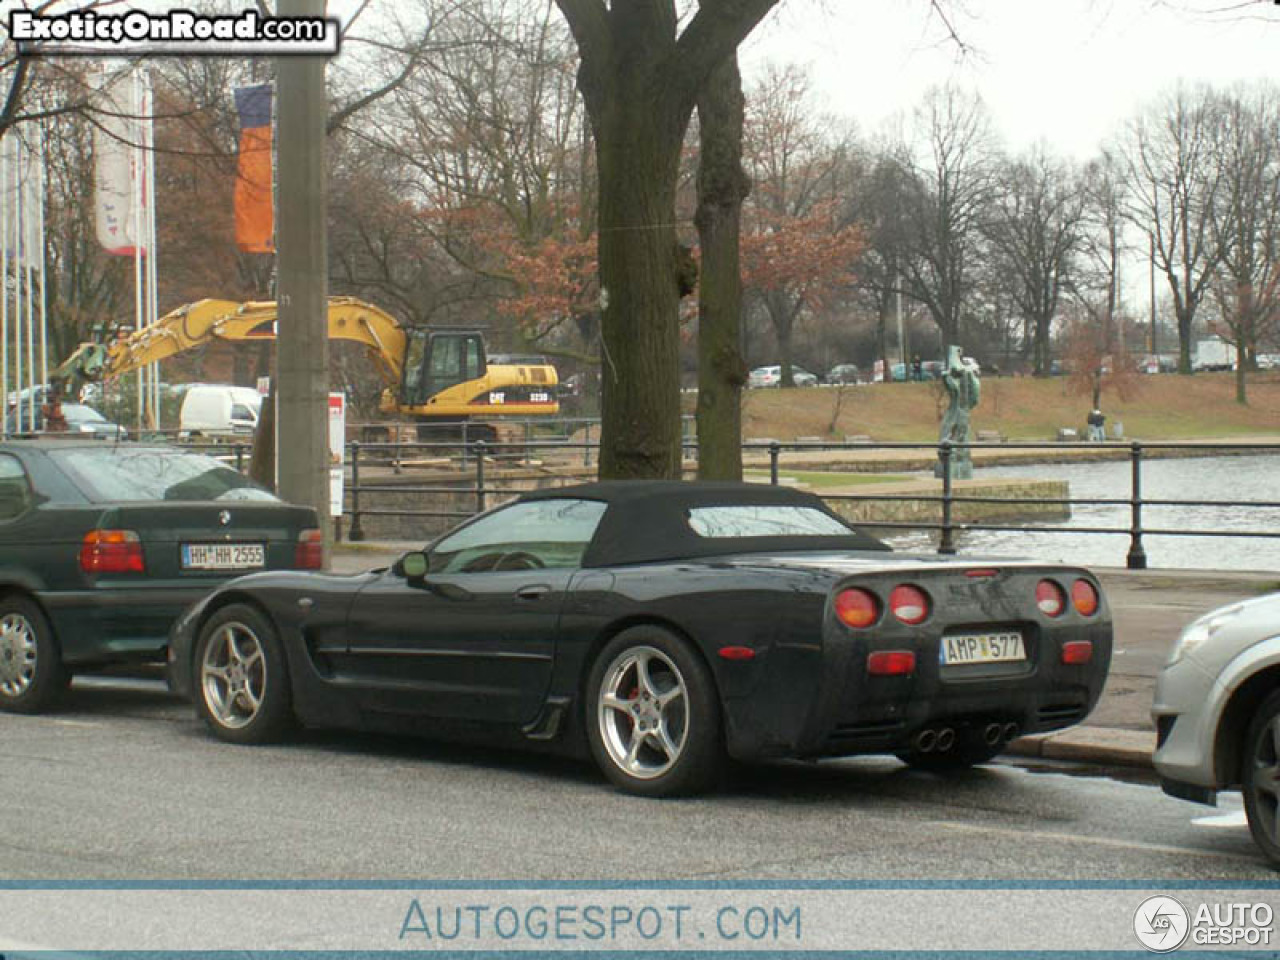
(1175, 184)
(640, 77)
(953, 183)
(1246, 224)
(722, 186)
(1035, 231)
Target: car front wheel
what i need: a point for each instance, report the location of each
(32, 676)
(1261, 777)
(242, 683)
(653, 716)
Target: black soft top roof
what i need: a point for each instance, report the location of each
(647, 520)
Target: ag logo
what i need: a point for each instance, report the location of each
(1161, 923)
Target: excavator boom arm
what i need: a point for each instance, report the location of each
(205, 321)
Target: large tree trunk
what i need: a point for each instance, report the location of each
(722, 186)
(640, 287)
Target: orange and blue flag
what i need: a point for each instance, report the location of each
(255, 219)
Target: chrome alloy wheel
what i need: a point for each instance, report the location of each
(1264, 781)
(643, 712)
(17, 655)
(233, 676)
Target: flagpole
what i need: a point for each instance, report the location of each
(153, 311)
(5, 142)
(135, 187)
(40, 260)
(27, 252)
(17, 276)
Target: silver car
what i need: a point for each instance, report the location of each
(1217, 713)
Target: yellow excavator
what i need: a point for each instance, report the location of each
(434, 377)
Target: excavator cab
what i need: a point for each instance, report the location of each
(436, 361)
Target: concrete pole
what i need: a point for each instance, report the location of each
(302, 342)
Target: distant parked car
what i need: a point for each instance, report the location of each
(81, 419)
(842, 373)
(102, 546)
(219, 410)
(771, 376)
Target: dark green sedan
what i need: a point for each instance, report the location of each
(102, 546)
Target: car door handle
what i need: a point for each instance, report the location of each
(534, 591)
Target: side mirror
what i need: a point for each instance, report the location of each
(413, 566)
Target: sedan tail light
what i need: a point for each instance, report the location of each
(857, 608)
(1084, 598)
(309, 554)
(909, 604)
(111, 551)
(1050, 600)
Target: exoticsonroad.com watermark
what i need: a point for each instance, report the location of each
(85, 32)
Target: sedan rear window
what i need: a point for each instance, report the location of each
(764, 521)
(151, 473)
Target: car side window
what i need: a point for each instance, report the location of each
(523, 536)
(15, 490)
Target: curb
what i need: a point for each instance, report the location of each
(1098, 745)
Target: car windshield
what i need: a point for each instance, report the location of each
(764, 521)
(79, 413)
(113, 474)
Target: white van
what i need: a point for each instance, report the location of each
(219, 410)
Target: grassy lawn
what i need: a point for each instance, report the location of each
(1164, 407)
(819, 478)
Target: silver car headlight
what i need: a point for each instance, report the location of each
(1202, 630)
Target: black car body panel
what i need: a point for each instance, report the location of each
(507, 652)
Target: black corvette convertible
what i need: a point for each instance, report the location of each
(661, 627)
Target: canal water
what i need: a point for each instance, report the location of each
(1251, 478)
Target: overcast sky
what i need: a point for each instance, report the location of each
(1066, 71)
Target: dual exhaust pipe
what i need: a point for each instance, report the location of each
(942, 739)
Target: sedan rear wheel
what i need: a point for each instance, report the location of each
(654, 720)
(32, 676)
(1261, 777)
(242, 681)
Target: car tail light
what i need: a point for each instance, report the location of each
(111, 551)
(1084, 598)
(310, 552)
(857, 608)
(891, 663)
(1050, 600)
(1077, 652)
(909, 604)
(736, 653)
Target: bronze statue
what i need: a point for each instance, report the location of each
(961, 380)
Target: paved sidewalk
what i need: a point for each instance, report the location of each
(1150, 608)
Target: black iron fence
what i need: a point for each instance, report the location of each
(466, 478)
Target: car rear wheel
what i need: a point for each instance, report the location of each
(32, 675)
(1260, 778)
(242, 683)
(653, 717)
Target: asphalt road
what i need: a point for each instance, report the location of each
(123, 783)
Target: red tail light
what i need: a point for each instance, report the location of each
(1077, 652)
(891, 663)
(111, 551)
(1050, 600)
(909, 604)
(1084, 598)
(857, 608)
(310, 552)
(736, 653)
